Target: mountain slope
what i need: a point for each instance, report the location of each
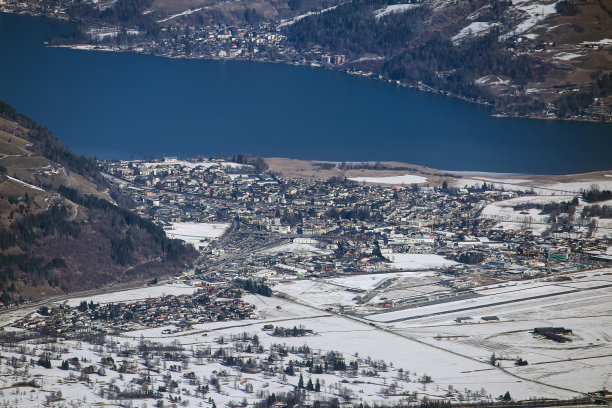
(525, 57)
(61, 230)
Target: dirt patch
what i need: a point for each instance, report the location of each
(322, 170)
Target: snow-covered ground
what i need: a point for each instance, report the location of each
(605, 41)
(394, 8)
(405, 179)
(197, 234)
(533, 13)
(582, 364)
(530, 219)
(354, 338)
(567, 56)
(579, 186)
(426, 340)
(418, 261)
(295, 247)
(317, 293)
(475, 28)
(369, 281)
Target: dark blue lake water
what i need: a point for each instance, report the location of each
(114, 105)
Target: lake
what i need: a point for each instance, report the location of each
(114, 105)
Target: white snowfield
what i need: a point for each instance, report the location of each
(505, 208)
(394, 8)
(418, 261)
(580, 186)
(369, 281)
(533, 13)
(352, 338)
(197, 234)
(567, 56)
(476, 28)
(405, 179)
(294, 247)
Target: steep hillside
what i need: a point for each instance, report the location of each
(525, 57)
(61, 229)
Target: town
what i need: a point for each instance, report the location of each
(348, 227)
(334, 291)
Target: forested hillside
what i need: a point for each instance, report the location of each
(524, 58)
(61, 229)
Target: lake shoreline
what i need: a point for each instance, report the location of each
(214, 106)
(369, 75)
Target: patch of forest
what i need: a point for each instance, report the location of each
(411, 51)
(50, 250)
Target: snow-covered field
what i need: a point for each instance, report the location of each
(370, 281)
(579, 186)
(197, 234)
(605, 41)
(530, 219)
(353, 337)
(295, 247)
(407, 262)
(317, 293)
(405, 179)
(429, 343)
(582, 364)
